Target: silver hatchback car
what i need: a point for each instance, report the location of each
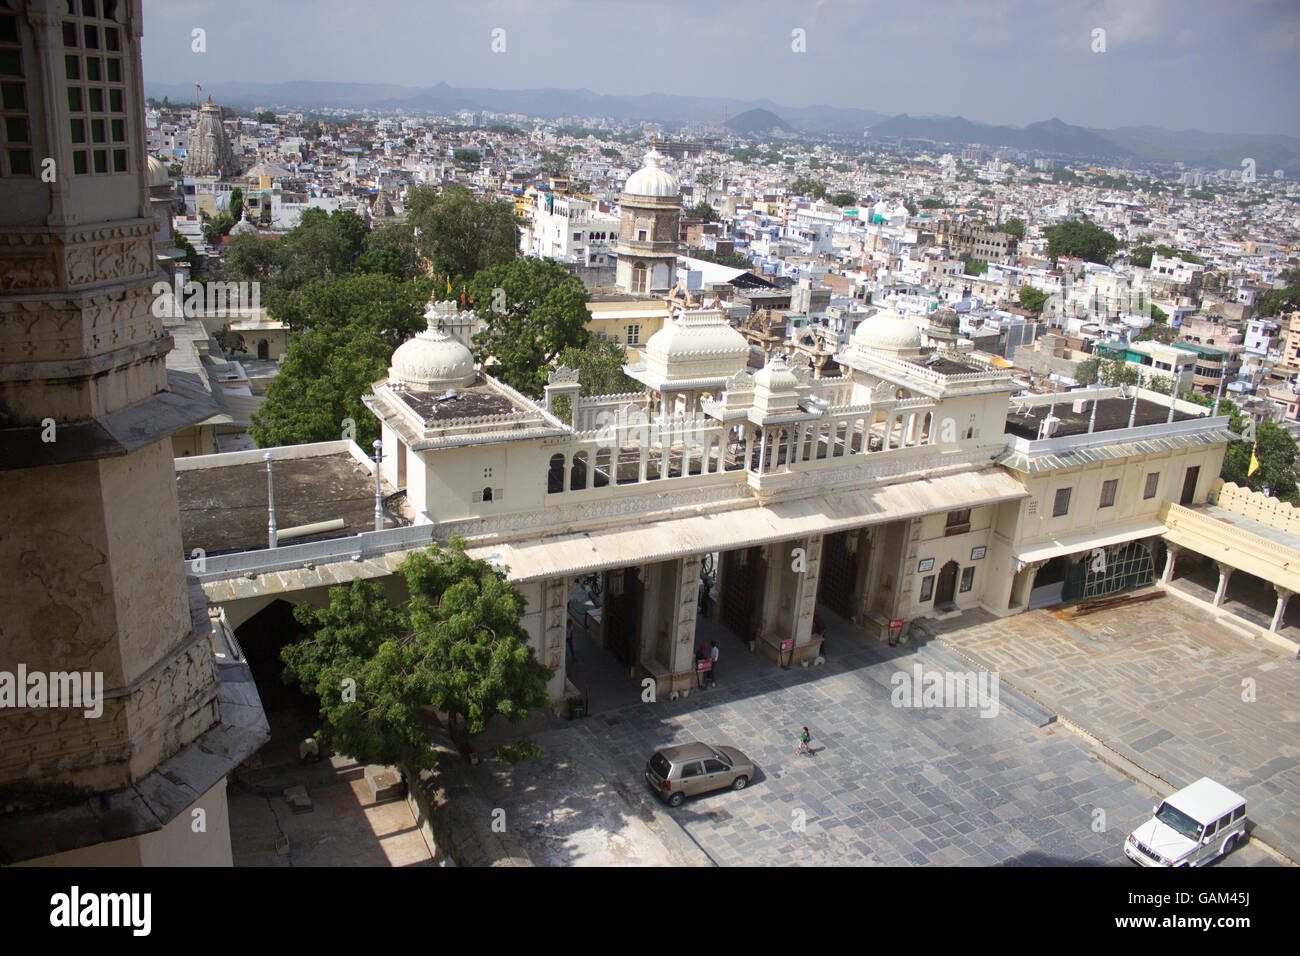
(676, 773)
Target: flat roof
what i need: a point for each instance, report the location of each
(471, 401)
(1112, 413)
(223, 508)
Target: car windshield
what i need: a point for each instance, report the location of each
(721, 756)
(659, 764)
(1174, 818)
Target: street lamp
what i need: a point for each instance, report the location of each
(270, 504)
(379, 501)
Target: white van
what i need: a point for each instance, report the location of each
(1197, 824)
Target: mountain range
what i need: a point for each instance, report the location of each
(1052, 137)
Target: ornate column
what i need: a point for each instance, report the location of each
(1225, 573)
(762, 452)
(1283, 595)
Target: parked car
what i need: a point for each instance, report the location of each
(1192, 827)
(675, 773)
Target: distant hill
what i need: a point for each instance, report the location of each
(1052, 136)
(751, 118)
(753, 122)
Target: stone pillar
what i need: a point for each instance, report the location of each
(1171, 553)
(556, 596)
(762, 452)
(801, 432)
(806, 597)
(1225, 573)
(1024, 585)
(682, 664)
(1283, 595)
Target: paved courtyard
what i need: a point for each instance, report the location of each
(1165, 687)
(886, 786)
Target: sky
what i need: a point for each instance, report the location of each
(1217, 65)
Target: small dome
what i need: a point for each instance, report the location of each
(776, 376)
(945, 318)
(698, 344)
(889, 331)
(652, 180)
(158, 174)
(433, 359)
(243, 227)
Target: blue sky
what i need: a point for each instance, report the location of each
(1219, 65)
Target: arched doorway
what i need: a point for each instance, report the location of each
(946, 586)
(263, 349)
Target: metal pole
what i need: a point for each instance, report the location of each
(1092, 419)
(379, 501)
(1218, 392)
(1132, 415)
(270, 504)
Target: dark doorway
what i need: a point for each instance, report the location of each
(622, 594)
(262, 637)
(744, 574)
(263, 349)
(839, 572)
(1189, 485)
(946, 587)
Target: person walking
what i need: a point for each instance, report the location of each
(805, 739)
(713, 674)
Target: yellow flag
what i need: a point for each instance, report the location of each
(448, 284)
(1254, 462)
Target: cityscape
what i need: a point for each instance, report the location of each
(661, 436)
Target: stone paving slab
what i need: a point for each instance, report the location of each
(1164, 688)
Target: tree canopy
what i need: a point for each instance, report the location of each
(461, 234)
(1275, 450)
(1081, 239)
(383, 673)
(542, 311)
(1014, 227)
(345, 331)
(702, 210)
(1033, 299)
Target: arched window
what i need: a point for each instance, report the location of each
(487, 494)
(555, 475)
(578, 473)
(639, 277)
(601, 476)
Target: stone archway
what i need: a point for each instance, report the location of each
(946, 587)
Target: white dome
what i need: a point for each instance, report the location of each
(776, 376)
(699, 344)
(433, 359)
(889, 331)
(652, 180)
(158, 174)
(243, 226)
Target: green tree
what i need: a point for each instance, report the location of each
(702, 210)
(542, 312)
(734, 260)
(1275, 450)
(266, 116)
(600, 370)
(1277, 301)
(344, 331)
(457, 647)
(1014, 227)
(844, 199)
(461, 234)
(236, 203)
(1081, 239)
(1118, 372)
(976, 267)
(391, 249)
(807, 186)
(466, 157)
(1085, 373)
(1033, 299)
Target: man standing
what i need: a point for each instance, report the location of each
(713, 674)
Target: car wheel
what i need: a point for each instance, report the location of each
(740, 782)
(1229, 845)
(676, 799)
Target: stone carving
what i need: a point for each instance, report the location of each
(563, 376)
(742, 381)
